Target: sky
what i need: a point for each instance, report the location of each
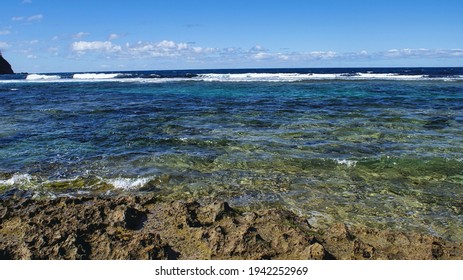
(45, 36)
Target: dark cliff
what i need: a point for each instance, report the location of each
(5, 67)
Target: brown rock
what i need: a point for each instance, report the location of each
(316, 251)
(140, 227)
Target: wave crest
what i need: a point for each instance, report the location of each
(96, 76)
(296, 77)
(36, 77)
(304, 75)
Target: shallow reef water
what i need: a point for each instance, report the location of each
(385, 152)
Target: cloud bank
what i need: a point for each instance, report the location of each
(191, 52)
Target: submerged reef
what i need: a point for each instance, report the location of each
(146, 227)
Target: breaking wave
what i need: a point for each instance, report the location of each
(37, 77)
(93, 76)
(247, 75)
(297, 77)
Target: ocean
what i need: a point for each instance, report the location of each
(380, 147)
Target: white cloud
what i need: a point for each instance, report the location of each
(113, 36)
(420, 53)
(106, 46)
(165, 48)
(166, 44)
(38, 17)
(456, 52)
(322, 54)
(197, 49)
(189, 52)
(182, 46)
(32, 18)
(258, 48)
(80, 35)
(262, 55)
(4, 45)
(5, 32)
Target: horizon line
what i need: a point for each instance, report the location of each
(247, 68)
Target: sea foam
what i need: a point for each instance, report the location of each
(38, 77)
(254, 77)
(346, 162)
(17, 179)
(172, 76)
(95, 76)
(128, 183)
(295, 77)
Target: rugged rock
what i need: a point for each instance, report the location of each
(5, 67)
(142, 227)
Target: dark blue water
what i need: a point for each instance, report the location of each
(379, 147)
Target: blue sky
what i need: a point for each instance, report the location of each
(104, 35)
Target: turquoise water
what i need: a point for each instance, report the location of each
(381, 152)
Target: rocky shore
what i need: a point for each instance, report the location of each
(144, 227)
